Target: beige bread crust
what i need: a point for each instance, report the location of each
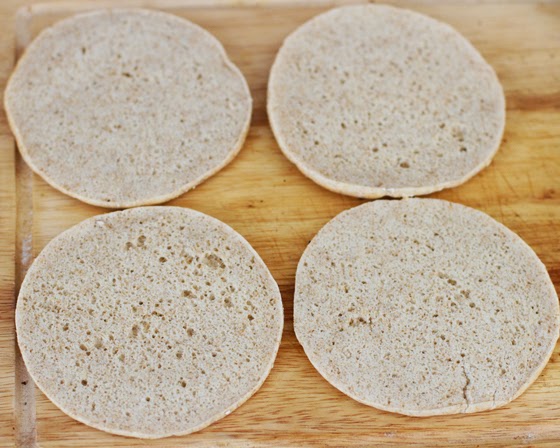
(292, 147)
(308, 334)
(236, 145)
(237, 244)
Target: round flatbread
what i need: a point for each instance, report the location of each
(424, 307)
(374, 101)
(149, 322)
(120, 108)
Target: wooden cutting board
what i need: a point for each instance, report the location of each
(266, 199)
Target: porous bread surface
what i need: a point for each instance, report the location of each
(424, 307)
(372, 101)
(127, 107)
(149, 322)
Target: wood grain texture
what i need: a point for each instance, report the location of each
(278, 210)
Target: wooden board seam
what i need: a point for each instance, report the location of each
(24, 406)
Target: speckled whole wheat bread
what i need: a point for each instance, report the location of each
(149, 322)
(424, 307)
(372, 101)
(127, 107)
